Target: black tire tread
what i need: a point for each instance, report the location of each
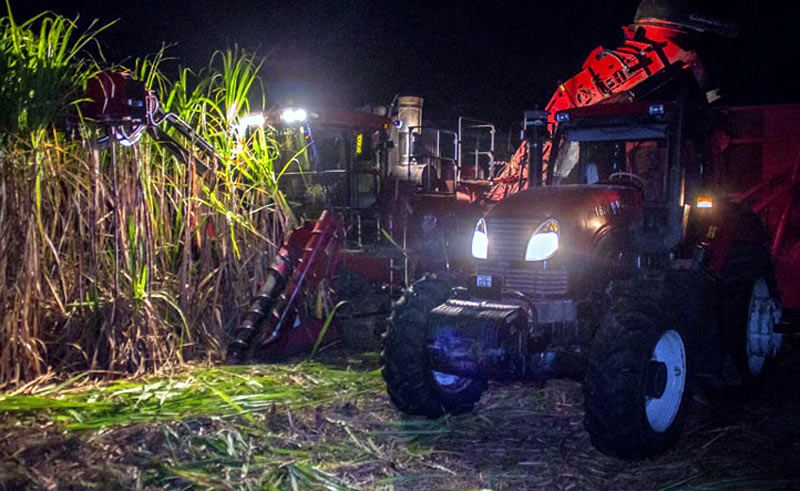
(743, 266)
(614, 385)
(409, 380)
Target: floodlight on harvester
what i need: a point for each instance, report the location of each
(293, 115)
(251, 120)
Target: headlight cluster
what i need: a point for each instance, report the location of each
(542, 244)
(294, 115)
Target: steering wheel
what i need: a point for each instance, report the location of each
(630, 175)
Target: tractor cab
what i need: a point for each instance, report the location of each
(332, 160)
(646, 146)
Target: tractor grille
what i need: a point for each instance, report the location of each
(508, 238)
(529, 279)
(507, 241)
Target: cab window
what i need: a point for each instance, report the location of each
(628, 155)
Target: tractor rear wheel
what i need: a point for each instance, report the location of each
(413, 387)
(749, 310)
(638, 381)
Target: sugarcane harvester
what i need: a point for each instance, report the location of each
(656, 244)
(127, 110)
(392, 198)
(393, 202)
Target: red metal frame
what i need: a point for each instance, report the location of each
(309, 257)
(649, 48)
(775, 131)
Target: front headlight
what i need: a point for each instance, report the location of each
(480, 240)
(543, 243)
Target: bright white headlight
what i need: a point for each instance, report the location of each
(480, 240)
(252, 120)
(293, 115)
(300, 115)
(543, 242)
(256, 120)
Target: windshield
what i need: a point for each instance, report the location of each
(317, 149)
(328, 166)
(634, 155)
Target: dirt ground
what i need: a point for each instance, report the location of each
(519, 437)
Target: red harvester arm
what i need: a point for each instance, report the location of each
(318, 262)
(651, 48)
(308, 257)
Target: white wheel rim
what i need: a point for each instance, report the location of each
(448, 382)
(760, 327)
(661, 411)
(445, 378)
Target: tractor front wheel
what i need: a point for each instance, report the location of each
(413, 387)
(638, 380)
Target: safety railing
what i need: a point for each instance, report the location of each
(476, 140)
(431, 158)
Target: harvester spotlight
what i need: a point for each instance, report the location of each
(252, 120)
(294, 115)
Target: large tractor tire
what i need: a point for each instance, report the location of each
(637, 385)
(748, 313)
(413, 387)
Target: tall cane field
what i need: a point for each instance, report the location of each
(124, 259)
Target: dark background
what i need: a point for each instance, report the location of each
(488, 60)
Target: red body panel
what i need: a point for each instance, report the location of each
(377, 269)
(301, 339)
(649, 48)
(756, 154)
(114, 98)
(313, 254)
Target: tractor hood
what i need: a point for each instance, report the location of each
(584, 212)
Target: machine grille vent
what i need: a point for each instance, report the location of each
(508, 238)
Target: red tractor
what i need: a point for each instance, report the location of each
(657, 249)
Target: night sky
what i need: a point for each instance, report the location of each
(487, 60)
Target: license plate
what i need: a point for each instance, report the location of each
(483, 281)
